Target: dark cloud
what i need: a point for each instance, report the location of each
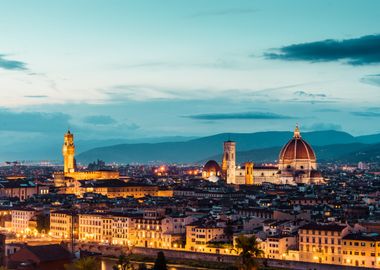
(371, 79)
(99, 120)
(11, 64)
(355, 51)
(223, 12)
(33, 121)
(242, 115)
(366, 114)
(309, 95)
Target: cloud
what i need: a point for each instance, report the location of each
(356, 51)
(371, 79)
(323, 126)
(223, 12)
(33, 121)
(241, 115)
(36, 96)
(99, 120)
(366, 114)
(11, 64)
(309, 95)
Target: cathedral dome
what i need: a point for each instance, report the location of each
(212, 166)
(296, 149)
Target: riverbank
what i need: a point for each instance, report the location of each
(178, 264)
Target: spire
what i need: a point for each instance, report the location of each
(297, 133)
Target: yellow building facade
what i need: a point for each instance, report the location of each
(63, 224)
(322, 243)
(361, 250)
(20, 219)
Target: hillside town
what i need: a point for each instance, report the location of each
(301, 213)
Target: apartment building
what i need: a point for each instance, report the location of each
(361, 250)
(322, 243)
(63, 224)
(21, 218)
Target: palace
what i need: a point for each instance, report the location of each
(297, 163)
(104, 182)
(70, 174)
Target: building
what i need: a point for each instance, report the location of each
(297, 163)
(21, 189)
(115, 188)
(21, 218)
(69, 166)
(322, 243)
(43, 257)
(211, 170)
(63, 224)
(68, 153)
(156, 230)
(361, 250)
(201, 237)
(122, 228)
(95, 227)
(229, 161)
(277, 247)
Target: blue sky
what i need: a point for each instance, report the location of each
(132, 69)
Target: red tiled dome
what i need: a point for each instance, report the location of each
(297, 148)
(212, 165)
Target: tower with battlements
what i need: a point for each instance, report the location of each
(229, 161)
(68, 152)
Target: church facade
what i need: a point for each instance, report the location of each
(297, 163)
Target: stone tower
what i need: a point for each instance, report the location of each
(249, 173)
(68, 152)
(229, 161)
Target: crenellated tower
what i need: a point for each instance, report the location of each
(68, 152)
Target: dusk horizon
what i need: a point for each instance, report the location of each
(189, 134)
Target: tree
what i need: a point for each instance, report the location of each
(43, 223)
(86, 263)
(123, 263)
(160, 263)
(248, 252)
(229, 229)
(142, 267)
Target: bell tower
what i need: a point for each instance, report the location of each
(229, 161)
(68, 152)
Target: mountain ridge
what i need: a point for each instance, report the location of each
(194, 150)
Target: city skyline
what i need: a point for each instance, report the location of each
(149, 69)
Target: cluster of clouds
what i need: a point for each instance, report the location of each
(364, 50)
(356, 51)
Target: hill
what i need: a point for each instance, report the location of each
(326, 153)
(201, 148)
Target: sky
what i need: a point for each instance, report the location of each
(136, 69)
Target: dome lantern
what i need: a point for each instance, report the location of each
(297, 133)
